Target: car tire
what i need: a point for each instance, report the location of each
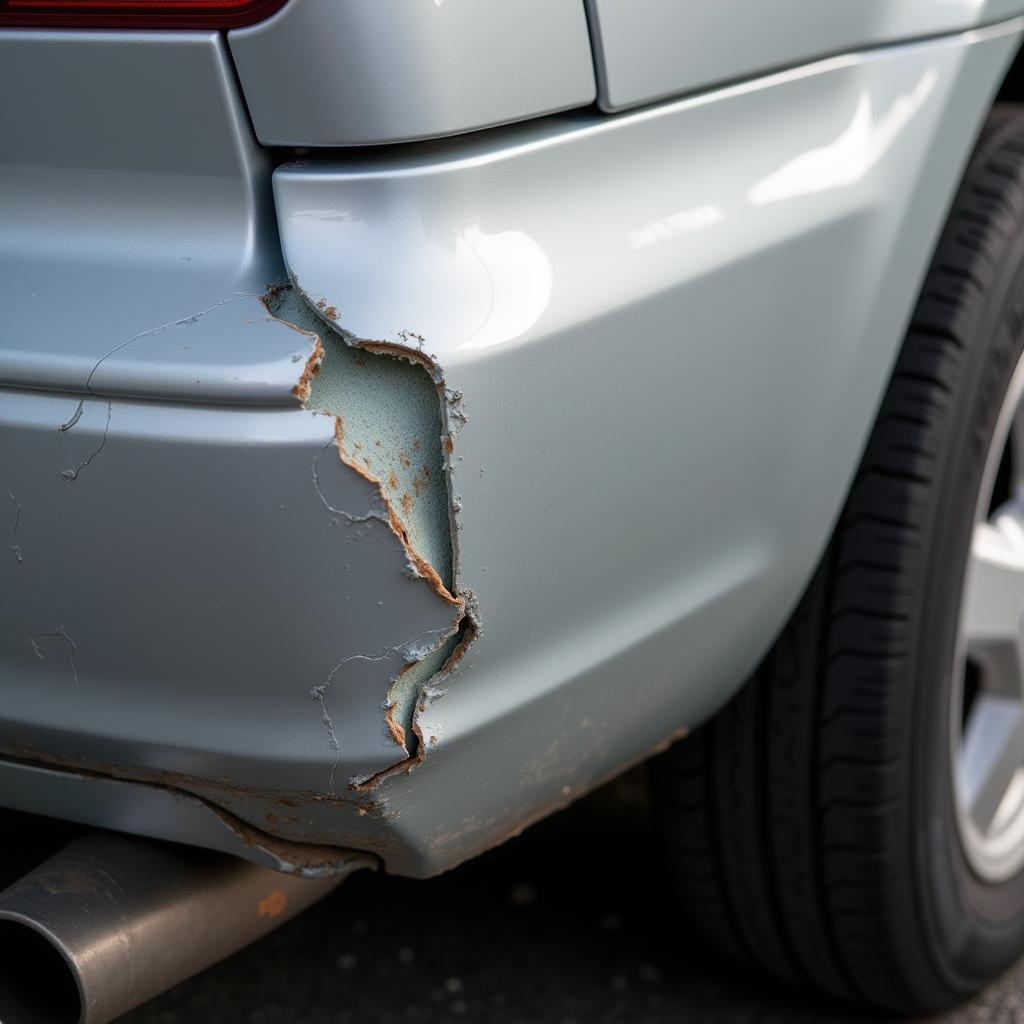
(821, 824)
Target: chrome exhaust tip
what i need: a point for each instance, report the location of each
(111, 921)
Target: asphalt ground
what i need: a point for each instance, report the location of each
(571, 923)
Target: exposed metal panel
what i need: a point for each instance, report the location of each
(649, 49)
(359, 72)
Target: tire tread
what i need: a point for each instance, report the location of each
(794, 800)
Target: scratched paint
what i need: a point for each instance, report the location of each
(347, 654)
(75, 465)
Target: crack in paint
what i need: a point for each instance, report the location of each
(409, 650)
(16, 548)
(75, 417)
(366, 451)
(57, 632)
(185, 321)
(349, 517)
(433, 688)
(71, 473)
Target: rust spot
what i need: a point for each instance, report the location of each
(423, 567)
(275, 291)
(302, 390)
(410, 355)
(517, 819)
(291, 857)
(360, 463)
(206, 790)
(395, 727)
(273, 905)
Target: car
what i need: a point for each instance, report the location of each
(416, 414)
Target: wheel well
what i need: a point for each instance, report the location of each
(1012, 88)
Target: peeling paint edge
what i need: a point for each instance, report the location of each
(453, 413)
(450, 401)
(423, 568)
(453, 418)
(308, 860)
(305, 385)
(203, 789)
(301, 391)
(469, 626)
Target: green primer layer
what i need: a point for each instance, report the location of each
(390, 411)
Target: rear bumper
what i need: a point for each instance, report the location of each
(655, 344)
(185, 593)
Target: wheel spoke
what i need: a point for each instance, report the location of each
(994, 592)
(993, 754)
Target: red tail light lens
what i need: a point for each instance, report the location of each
(135, 13)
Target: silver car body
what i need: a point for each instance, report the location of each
(382, 500)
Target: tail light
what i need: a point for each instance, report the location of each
(134, 13)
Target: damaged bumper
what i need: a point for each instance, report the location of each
(229, 566)
(511, 437)
(243, 604)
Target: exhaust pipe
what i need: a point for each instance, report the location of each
(112, 921)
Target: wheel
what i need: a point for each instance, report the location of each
(855, 817)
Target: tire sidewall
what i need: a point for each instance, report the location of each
(974, 928)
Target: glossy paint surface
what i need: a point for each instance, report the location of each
(354, 73)
(649, 49)
(132, 217)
